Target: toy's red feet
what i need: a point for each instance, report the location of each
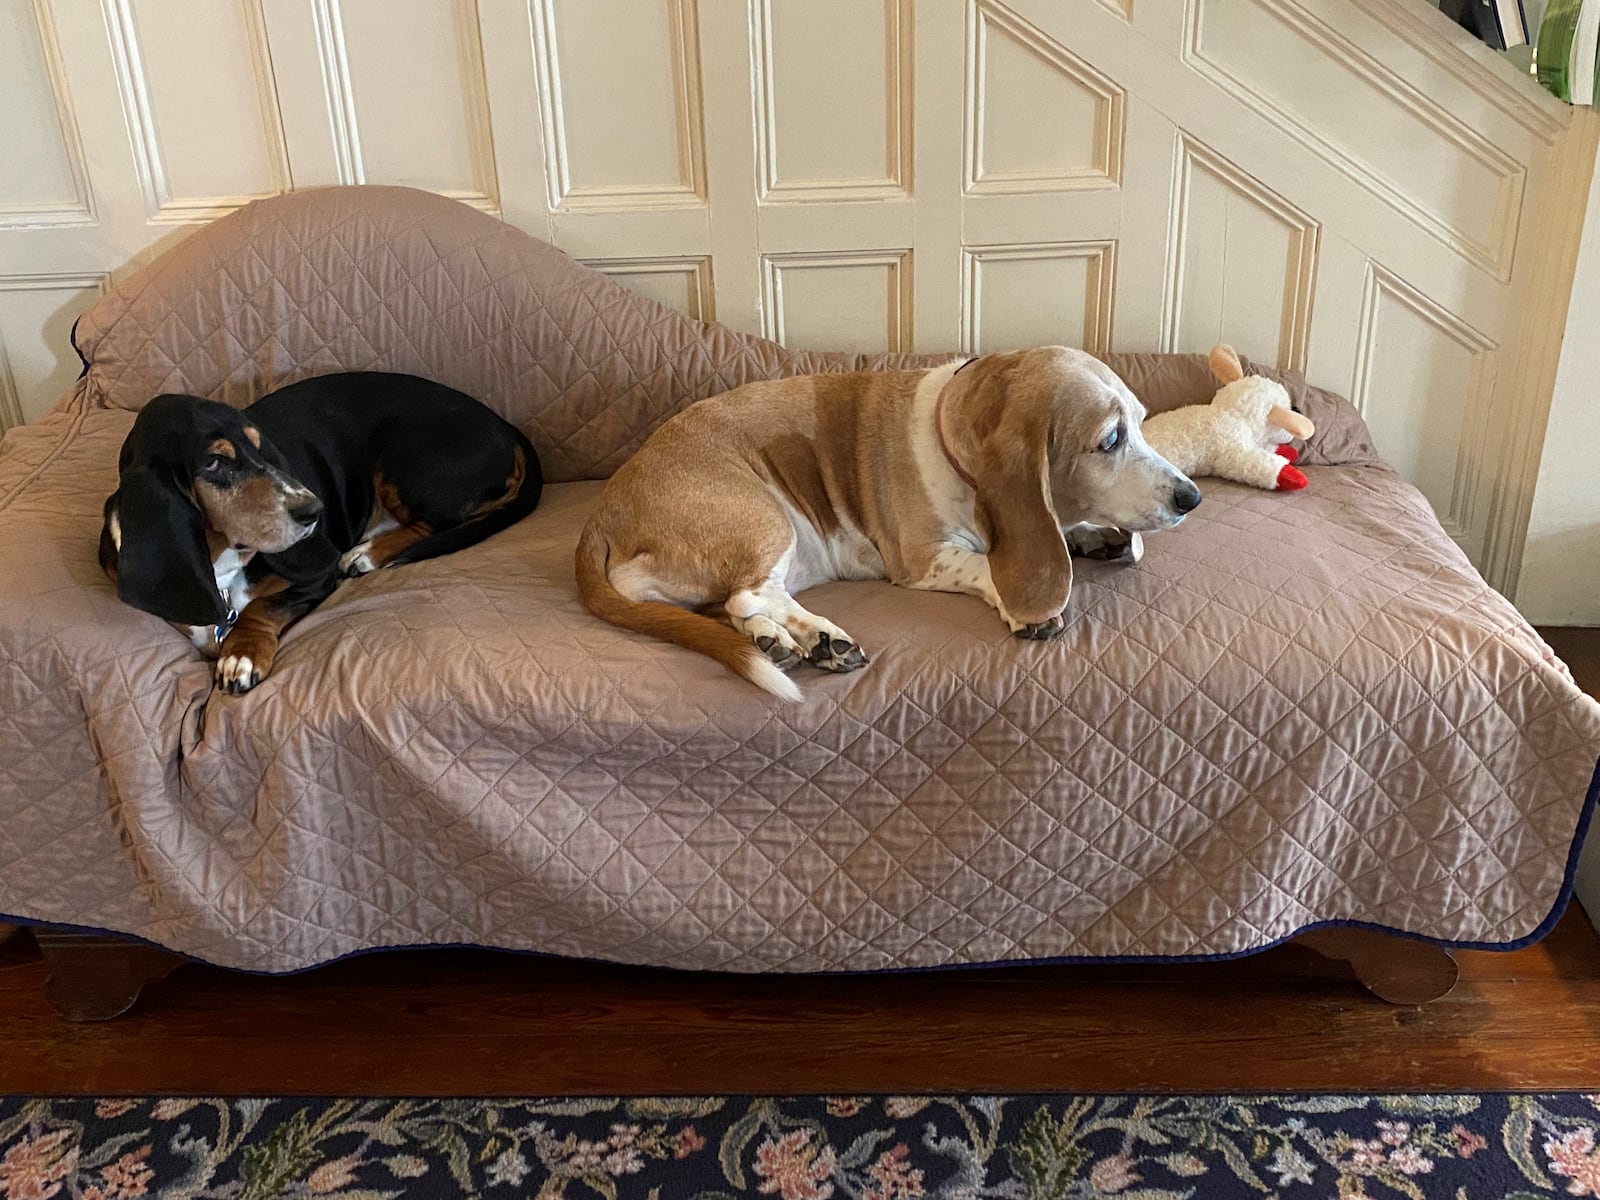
(1291, 478)
(1287, 451)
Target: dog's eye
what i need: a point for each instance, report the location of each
(1111, 440)
(213, 466)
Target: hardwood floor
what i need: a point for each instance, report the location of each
(1581, 650)
(459, 1022)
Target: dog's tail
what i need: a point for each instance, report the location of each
(521, 497)
(671, 623)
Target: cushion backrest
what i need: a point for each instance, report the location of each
(397, 279)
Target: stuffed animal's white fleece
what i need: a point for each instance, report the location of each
(1237, 436)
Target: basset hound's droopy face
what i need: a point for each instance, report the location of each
(1052, 437)
(197, 481)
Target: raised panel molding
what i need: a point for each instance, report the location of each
(1460, 513)
(652, 276)
(328, 22)
(1299, 276)
(485, 192)
(894, 265)
(988, 19)
(566, 194)
(339, 92)
(1098, 296)
(1492, 252)
(895, 182)
(1122, 8)
(11, 411)
(1428, 32)
(46, 214)
(162, 206)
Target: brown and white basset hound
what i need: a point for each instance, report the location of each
(980, 477)
(234, 523)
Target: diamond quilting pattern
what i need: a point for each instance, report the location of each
(1297, 709)
(457, 753)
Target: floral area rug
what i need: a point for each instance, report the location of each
(1048, 1147)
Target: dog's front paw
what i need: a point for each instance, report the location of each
(1044, 631)
(1105, 543)
(237, 673)
(357, 561)
(1129, 549)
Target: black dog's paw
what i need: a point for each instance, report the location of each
(356, 561)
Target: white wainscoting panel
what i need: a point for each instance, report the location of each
(1039, 118)
(1423, 381)
(623, 117)
(44, 181)
(1313, 83)
(196, 80)
(680, 283)
(37, 362)
(439, 136)
(1049, 293)
(857, 301)
(833, 95)
(1243, 262)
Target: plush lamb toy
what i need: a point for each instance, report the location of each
(1243, 434)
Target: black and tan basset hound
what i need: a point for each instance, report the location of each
(234, 523)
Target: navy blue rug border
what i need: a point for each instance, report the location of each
(1312, 1093)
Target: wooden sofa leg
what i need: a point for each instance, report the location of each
(94, 977)
(1399, 970)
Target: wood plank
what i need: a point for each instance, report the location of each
(1580, 648)
(473, 1022)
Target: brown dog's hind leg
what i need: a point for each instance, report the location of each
(788, 634)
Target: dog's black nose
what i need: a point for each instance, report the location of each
(307, 511)
(1186, 497)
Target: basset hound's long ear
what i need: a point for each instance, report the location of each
(163, 566)
(1003, 440)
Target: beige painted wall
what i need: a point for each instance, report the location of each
(1560, 581)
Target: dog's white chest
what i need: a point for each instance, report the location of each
(228, 568)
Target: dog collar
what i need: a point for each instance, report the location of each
(938, 429)
(221, 631)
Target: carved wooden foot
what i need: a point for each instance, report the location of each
(1396, 969)
(94, 977)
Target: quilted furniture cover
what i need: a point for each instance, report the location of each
(1299, 709)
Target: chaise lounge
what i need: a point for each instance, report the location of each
(1302, 712)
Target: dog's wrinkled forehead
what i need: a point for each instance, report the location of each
(181, 431)
(1083, 386)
